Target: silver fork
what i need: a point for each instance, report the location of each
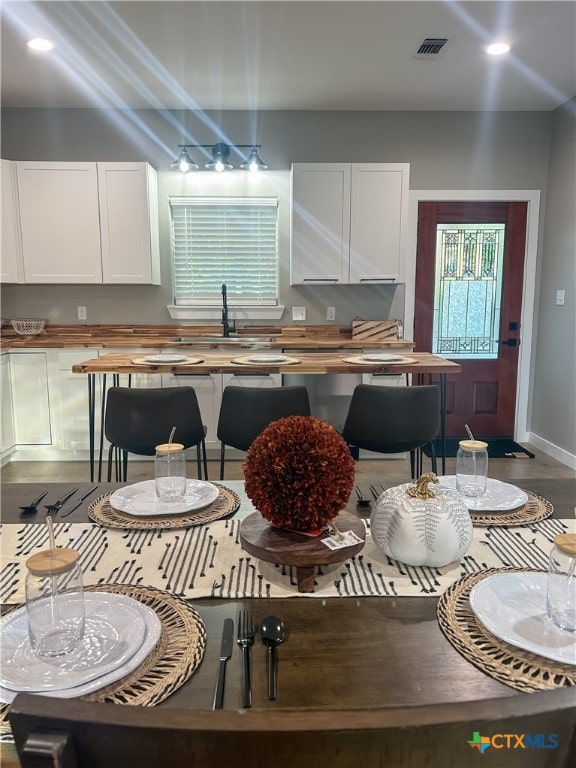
(362, 502)
(245, 638)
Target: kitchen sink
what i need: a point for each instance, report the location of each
(223, 340)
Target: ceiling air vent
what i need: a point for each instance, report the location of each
(430, 47)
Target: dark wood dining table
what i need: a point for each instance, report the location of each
(345, 652)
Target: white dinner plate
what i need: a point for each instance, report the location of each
(165, 358)
(152, 632)
(140, 499)
(114, 631)
(382, 358)
(267, 358)
(499, 496)
(513, 607)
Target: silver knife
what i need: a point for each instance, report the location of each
(225, 653)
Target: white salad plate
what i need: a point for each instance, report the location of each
(499, 496)
(382, 358)
(165, 358)
(140, 499)
(267, 358)
(152, 635)
(115, 630)
(513, 607)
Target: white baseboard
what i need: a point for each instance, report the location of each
(554, 451)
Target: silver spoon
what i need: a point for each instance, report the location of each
(272, 634)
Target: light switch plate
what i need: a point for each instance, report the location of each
(330, 313)
(298, 313)
(560, 298)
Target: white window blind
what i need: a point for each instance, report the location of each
(232, 240)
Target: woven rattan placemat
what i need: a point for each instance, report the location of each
(535, 510)
(512, 666)
(100, 511)
(248, 360)
(361, 359)
(166, 363)
(173, 661)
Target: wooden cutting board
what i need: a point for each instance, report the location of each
(374, 330)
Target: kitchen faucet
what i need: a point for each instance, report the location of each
(226, 327)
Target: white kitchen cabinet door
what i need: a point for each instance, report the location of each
(30, 395)
(129, 223)
(8, 435)
(69, 402)
(320, 224)
(11, 268)
(378, 223)
(208, 388)
(60, 222)
(349, 223)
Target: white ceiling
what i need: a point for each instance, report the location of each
(278, 54)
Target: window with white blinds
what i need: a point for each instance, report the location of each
(232, 240)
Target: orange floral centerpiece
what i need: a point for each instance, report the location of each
(299, 473)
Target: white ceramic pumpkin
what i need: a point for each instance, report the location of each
(417, 525)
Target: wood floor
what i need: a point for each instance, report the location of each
(390, 471)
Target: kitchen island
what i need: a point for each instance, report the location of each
(422, 365)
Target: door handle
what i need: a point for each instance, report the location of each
(509, 342)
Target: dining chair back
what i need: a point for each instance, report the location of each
(78, 734)
(138, 419)
(246, 411)
(394, 420)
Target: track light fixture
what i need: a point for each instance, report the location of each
(220, 160)
(184, 162)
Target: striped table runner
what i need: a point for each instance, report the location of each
(208, 561)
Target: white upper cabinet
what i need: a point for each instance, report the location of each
(86, 223)
(60, 222)
(129, 223)
(320, 223)
(11, 269)
(349, 223)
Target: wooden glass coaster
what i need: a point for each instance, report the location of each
(100, 511)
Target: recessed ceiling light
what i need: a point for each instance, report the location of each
(497, 49)
(40, 44)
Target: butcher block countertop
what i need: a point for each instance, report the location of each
(196, 337)
(237, 362)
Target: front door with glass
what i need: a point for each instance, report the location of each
(469, 278)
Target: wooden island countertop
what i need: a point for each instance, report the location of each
(308, 362)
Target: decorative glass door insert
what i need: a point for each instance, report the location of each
(468, 290)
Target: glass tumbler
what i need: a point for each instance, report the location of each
(54, 601)
(472, 468)
(170, 472)
(561, 593)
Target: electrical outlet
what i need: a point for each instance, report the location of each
(82, 313)
(330, 313)
(560, 298)
(298, 313)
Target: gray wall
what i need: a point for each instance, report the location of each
(446, 150)
(554, 364)
(453, 150)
